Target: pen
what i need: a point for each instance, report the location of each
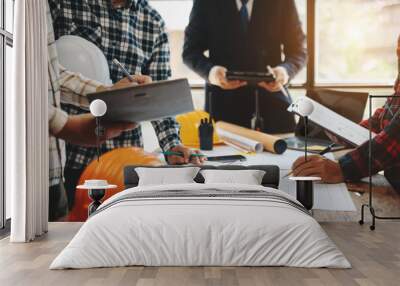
(282, 89)
(327, 149)
(123, 69)
(322, 153)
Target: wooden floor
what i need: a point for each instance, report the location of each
(386, 202)
(375, 257)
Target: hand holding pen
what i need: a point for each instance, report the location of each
(322, 153)
(130, 79)
(179, 155)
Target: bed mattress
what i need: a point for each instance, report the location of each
(201, 225)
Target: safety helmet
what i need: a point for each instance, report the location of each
(77, 54)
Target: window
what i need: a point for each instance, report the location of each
(352, 42)
(176, 16)
(356, 41)
(6, 42)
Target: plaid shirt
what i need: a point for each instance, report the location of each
(134, 35)
(386, 145)
(60, 81)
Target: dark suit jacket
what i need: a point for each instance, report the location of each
(274, 29)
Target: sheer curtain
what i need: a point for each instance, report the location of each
(27, 122)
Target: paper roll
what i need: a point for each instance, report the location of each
(243, 143)
(271, 143)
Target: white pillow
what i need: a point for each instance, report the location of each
(166, 176)
(247, 177)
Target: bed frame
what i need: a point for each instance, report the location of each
(271, 177)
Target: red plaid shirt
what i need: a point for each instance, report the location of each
(386, 145)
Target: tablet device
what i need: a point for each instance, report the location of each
(315, 145)
(250, 77)
(146, 102)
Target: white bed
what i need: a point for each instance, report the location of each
(258, 226)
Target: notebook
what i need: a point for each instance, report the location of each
(339, 125)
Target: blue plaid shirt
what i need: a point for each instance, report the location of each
(134, 35)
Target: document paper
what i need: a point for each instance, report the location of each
(338, 124)
(240, 141)
(332, 197)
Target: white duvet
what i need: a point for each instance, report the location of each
(200, 232)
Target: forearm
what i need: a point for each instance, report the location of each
(294, 63)
(57, 119)
(196, 41)
(77, 83)
(159, 67)
(385, 154)
(167, 132)
(354, 166)
(294, 41)
(373, 123)
(75, 87)
(197, 61)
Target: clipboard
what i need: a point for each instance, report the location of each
(146, 102)
(340, 126)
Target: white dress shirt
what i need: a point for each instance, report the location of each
(249, 6)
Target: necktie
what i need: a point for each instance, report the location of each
(244, 15)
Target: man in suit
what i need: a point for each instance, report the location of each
(246, 35)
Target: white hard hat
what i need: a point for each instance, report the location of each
(77, 54)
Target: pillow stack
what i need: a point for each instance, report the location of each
(244, 177)
(187, 175)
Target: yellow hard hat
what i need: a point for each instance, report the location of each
(189, 123)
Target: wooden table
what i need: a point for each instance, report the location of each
(386, 200)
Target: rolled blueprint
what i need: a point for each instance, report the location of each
(270, 143)
(243, 143)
